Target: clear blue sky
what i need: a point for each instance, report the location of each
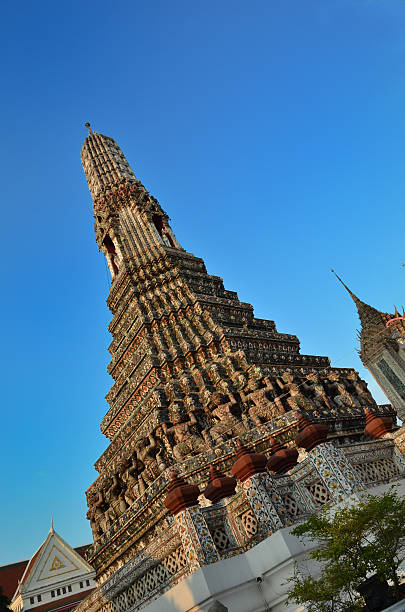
(273, 134)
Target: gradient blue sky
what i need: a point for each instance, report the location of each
(273, 134)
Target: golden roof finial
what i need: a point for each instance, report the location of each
(87, 125)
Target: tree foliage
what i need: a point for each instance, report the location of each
(354, 542)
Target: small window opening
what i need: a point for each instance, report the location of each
(109, 245)
(163, 231)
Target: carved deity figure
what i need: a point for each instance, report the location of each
(342, 399)
(186, 441)
(167, 237)
(297, 400)
(214, 373)
(95, 513)
(135, 484)
(258, 398)
(286, 380)
(360, 387)
(106, 500)
(117, 494)
(239, 380)
(146, 454)
(317, 389)
(228, 424)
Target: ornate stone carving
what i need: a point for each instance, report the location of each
(227, 423)
(183, 386)
(186, 441)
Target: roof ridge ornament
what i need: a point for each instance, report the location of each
(87, 125)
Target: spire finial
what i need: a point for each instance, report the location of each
(87, 125)
(354, 297)
(51, 529)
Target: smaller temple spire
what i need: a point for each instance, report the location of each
(373, 323)
(354, 297)
(367, 314)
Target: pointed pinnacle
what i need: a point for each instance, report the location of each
(51, 529)
(353, 295)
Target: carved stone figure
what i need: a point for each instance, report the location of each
(227, 423)
(297, 400)
(319, 394)
(258, 398)
(135, 484)
(360, 387)
(239, 380)
(146, 453)
(286, 381)
(95, 513)
(342, 399)
(118, 493)
(186, 441)
(105, 501)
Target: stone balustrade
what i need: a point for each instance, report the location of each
(199, 535)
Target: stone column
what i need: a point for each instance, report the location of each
(196, 538)
(335, 470)
(260, 490)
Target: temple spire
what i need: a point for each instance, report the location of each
(104, 163)
(87, 125)
(372, 322)
(354, 297)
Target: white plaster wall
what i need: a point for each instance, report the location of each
(234, 583)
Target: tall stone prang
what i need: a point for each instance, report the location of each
(382, 349)
(194, 373)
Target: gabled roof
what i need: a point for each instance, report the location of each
(11, 574)
(54, 561)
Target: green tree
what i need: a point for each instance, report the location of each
(353, 543)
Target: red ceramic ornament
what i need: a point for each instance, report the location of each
(219, 486)
(247, 464)
(376, 426)
(310, 434)
(181, 495)
(282, 458)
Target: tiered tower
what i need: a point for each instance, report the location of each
(193, 369)
(382, 349)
